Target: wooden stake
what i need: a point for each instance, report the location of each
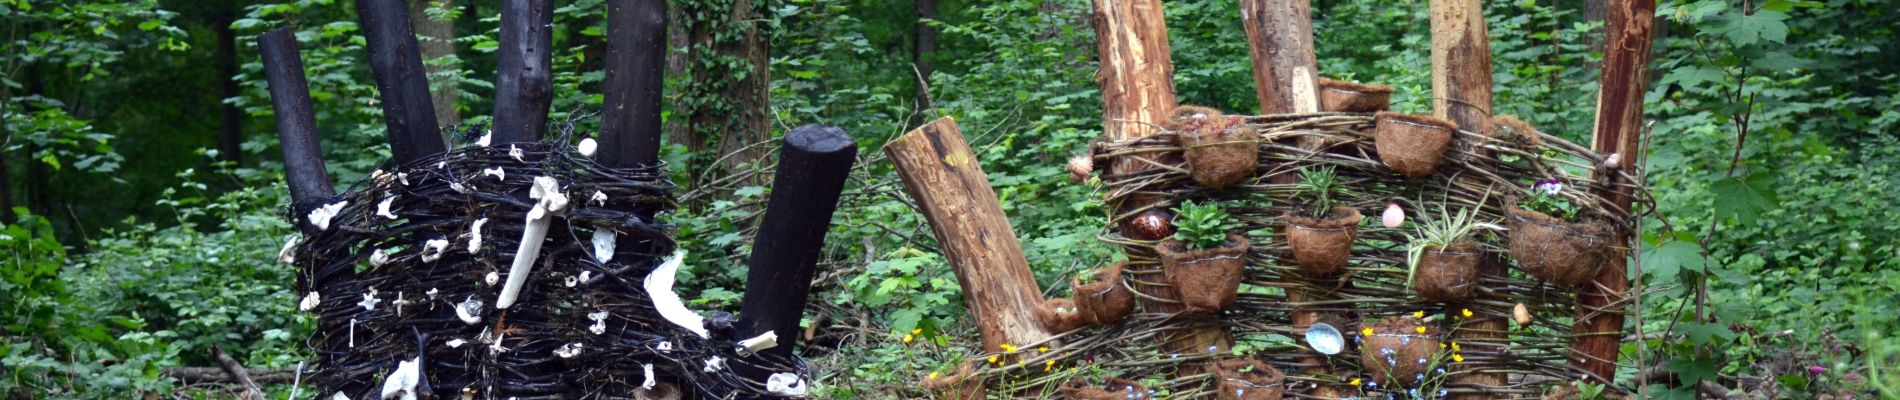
(943, 177)
(1461, 92)
(524, 86)
(1280, 36)
(296, 124)
(636, 58)
(813, 166)
(397, 64)
(1619, 124)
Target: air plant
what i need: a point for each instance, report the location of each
(1320, 182)
(1441, 230)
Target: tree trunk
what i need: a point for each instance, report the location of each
(1619, 128)
(923, 45)
(1280, 37)
(231, 120)
(731, 115)
(942, 175)
(437, 39)
(1461, 92)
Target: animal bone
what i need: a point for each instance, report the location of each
(552, 201)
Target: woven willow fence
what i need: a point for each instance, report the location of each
(1484, 172)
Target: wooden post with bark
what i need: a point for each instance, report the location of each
(296, 123)
(408, 113)
(524, 84)
(1618, 133)
(813, 165)
(1461, 93)
(942, 175)
(636, 54)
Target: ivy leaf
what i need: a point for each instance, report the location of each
(1766, 25)
(1667, 260)
(1745, 198)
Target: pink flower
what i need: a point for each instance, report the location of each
(1394, 216)
(1816, 369)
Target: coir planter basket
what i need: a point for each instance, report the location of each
(1322, 246)
(1396, 352)
(1447, 273)
(1104, 300)
(1059, 315)
(1412, 145)
(1220, 151)
(1114, 389)
(1561, 252)
(1346, 96)
(1244, 379)
(1206, 279)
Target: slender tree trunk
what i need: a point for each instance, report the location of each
(6, 175)
(231, 120)
(727, 131)
(922, 46)
(437, 39)
(679, 49)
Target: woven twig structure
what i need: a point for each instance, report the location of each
(409, 269)
(1479, 172)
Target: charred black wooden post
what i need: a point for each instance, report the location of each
(812, 168)
(524, 86)
(404, 85)
(636, 61)
(296, 124)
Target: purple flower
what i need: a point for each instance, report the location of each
(1816, 369)
(1851, 377)
(1549, 186)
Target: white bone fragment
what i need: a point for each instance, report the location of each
(485, 138)
(378, 258)
(587, 147)
(470, 310)
(475, 236)
(515, 152)
(457, 187)
(666, 346)
(568, 350)
(763, 341)
(659, 286)
(551, 201)
(382, 209)
(456, 343)
(339, 396)
(785, 384)
(648, 384)
(402, 383)
(432, 249)
(599, 198)
(497, 172)
(714, 364)
(289, 254)
(403, 177)
(492, 278)
(320, 217)
(600, 322)
(369, 301)
(310, 301)
(604, 244)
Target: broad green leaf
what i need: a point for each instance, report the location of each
(1693, 370)
(1745, 198)
(1666, 261)
(1763, 25)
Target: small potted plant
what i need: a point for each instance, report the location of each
(1220, 150)
(1348, 96)
(1204, 260)
(1100, 297)
(1413, 145)
(1113, 389)
(1059, 315)
(1398, 350)
(1442, 259)
(1321, 234)
(964, 384)
(1245, 379)
(1550, 240)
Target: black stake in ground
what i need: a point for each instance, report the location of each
(636, 58)
(812, 168)
(524, 85)
(296, 124)
(397, 63)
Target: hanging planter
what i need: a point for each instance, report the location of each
(1447, 273)
(1413, 145)
(1398, 350)
(1220, 150)
(961, 385)
(1346, 96)
(1244, 379)
(1322, 246)
(1207, 279)
(1562, 252)
(1114, 389)
(1101, 299)
(1059, 315)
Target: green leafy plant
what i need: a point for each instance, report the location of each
(1320, 183)
(1441, 230)
(1202, 225)
(1546, 196)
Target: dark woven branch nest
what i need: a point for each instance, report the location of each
(1534, 358)
(580, 329)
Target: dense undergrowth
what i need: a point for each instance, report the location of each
(1769, 259)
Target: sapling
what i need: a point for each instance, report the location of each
(1202, 226)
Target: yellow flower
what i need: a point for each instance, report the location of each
(933, 374)
(917, 331)
(1441, 345)
(1467, 313)
(1418, 314)
(1051, 364)
(1457, 357)
(1367, 332)
(1009, 348)
(1043, 349)
(1355, 381)
(1454, 347)
(992, 359)
(908, 338)
(1421, 329)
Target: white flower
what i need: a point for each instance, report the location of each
(382, 209)
(587, 147)
(320, 217)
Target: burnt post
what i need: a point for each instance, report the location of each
(523, 84)
(812, 166)
(636, 61)
(296, 123)
(404, 85)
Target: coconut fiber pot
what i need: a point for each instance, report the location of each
(1447, 273)
(1558, 251)
(1322, 246)
(961, 385)
(1396, 353)
(1413, 145)
(1206, 279)
(1117, 389)
(1243, 379)
(1220, 151)
(1106, 300)
(1347, 96)
(1059, 315)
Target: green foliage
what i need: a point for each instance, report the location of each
(1545, 197)
(1202, 226)
(1319, 184)
(1442, 230)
